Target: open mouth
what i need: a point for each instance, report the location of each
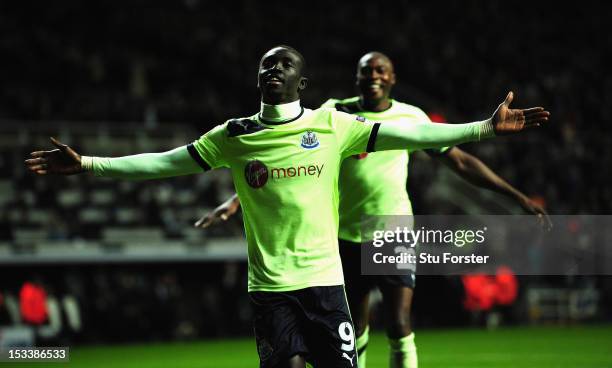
(273, 80)
(372, 87)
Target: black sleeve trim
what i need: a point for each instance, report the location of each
(373, 135)
(196, 156)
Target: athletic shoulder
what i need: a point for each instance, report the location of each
(347, 105)
(412, 110)
(241, 126)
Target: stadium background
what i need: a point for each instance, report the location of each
(121, 262)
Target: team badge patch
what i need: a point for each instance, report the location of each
(310, 140)
(361, 118)
(256, 174)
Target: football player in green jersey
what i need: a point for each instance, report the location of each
(285, 162)
(375, 185)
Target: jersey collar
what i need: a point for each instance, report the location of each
(361, 108)
(279, 114)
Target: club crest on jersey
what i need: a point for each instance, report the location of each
(310, 140)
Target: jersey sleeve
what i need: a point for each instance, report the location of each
(432, 151)
(210, 150)
(355, 133)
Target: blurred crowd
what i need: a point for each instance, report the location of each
(195, 62)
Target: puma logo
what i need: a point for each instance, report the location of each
(348, 357)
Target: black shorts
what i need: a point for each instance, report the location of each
(356, 283)
(314, 322)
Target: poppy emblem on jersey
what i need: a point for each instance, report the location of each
(256, 174)
(361, 118)
(309, 140)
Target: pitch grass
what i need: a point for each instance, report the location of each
(523, 347)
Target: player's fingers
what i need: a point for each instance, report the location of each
(537, 117)
(207, 222)
(41, 172)
(37, 167)
(535, 122)
(36, 161)
(200, 222)
(532, 125)
(43, 153)
(224, 216)
(58, 144)
(509, 98)
(540, 114)
(532, 110)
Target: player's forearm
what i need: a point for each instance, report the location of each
(401, 136)
(143, 166)
(478, 173)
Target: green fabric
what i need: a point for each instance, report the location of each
(147, 165)
(361, 345)
(375, 183)
(286, 176)
(420, 136)
(291, 219)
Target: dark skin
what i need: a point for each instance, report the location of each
(280, 78)
(375, 79)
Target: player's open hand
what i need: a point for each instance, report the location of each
(221, 213)
(509, 121)
(61, 161)
(535, 209)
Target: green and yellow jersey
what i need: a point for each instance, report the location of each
(374, 183)
(286, 176)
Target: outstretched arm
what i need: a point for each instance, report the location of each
(395, 136)
(478, 173)
(65, 161)
(221, 213)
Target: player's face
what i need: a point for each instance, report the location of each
(280, 76)
(375, 78)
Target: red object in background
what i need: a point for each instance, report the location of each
(479, 292)
(483, 292)
(437, 117)
(539, 200)
(507, 286)
(33, 303)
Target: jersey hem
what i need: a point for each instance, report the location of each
(293, 287)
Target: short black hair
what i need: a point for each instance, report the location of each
(293, 50)
(377, 54)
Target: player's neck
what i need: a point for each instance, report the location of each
(375, 105)
(282, 112)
